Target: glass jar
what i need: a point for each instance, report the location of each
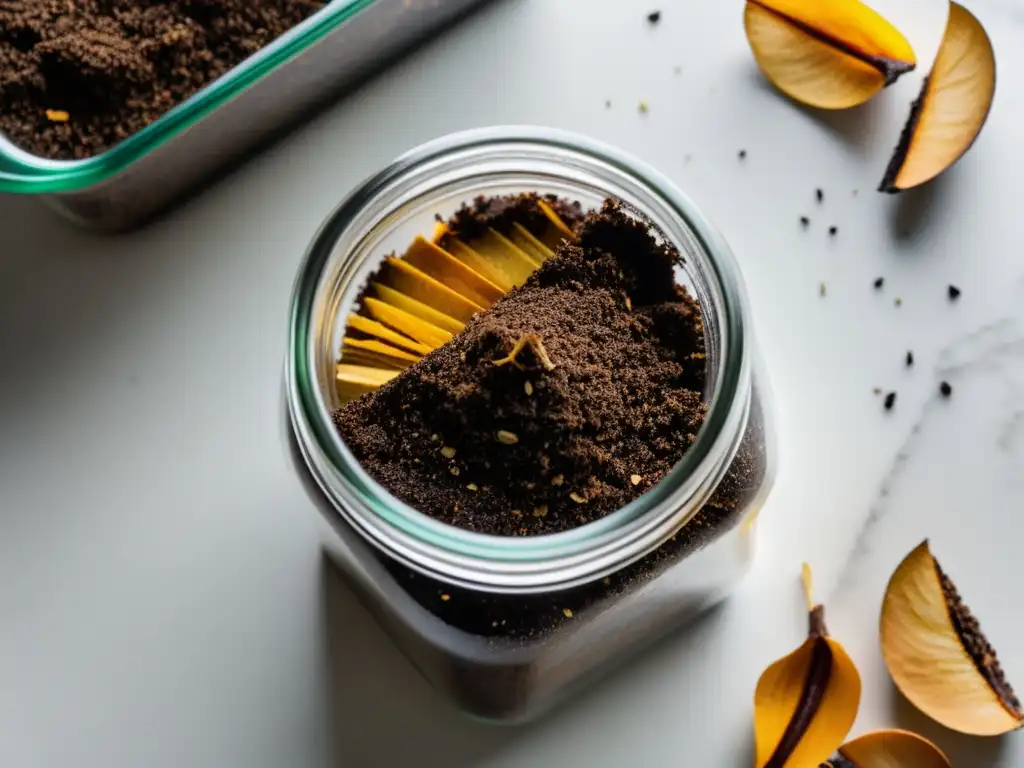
(506, 626)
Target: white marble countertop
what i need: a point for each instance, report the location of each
(162, 598)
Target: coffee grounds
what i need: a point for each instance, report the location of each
(527, 618)
(115, 66)
(599, 403)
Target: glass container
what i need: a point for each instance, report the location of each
(220, 124)
(507, 626)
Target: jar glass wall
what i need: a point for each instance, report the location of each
(506, 626)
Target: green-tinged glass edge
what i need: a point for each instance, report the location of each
(24, 173)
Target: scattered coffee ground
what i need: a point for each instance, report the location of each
(946, 389)
(910, 359)
(833, 231)
(654, 17)
(819, 193)
(954, 293)
(890, 401)
(742, 154)
(879, 282)
(115, 66)
(471, 403)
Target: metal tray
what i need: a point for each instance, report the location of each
(219, 125)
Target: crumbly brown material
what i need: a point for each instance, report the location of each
(525, 618)
(537, 417)
(977, 646)
(115, 66)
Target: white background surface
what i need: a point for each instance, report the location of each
(162, 598)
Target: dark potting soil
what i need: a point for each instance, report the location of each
(601, 394)
(79, 76)
(569, 398)
(523, 618)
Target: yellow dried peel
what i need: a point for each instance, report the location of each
(830, 54)
(407, 279)
(952, 108)
(558, 231)
(529, 244)
(445, 268)
(806, 702)
(937, 655)
(428, 335)
(889, 749)
(382, 332)
(355, 380)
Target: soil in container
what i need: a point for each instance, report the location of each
(78, 77)
(569, 397)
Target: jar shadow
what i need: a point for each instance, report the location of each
(382, 712)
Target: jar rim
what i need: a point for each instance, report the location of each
(536, 563)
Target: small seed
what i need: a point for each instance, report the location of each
(567, 612)
(805, 222)
(472, 487)
(541, 511)
(742, 154)
(822, 290)
(654, 17)
(57, 116)
(879, 282)
(910, 358)
(435, 437)
(454, 471)
(635, 479)
(506, 437)
(820, 194)
(642, 106)
(517, 513)
(448, 452)
(898, 301)
(577, 498)
(954, 293)
(890, 401)
(833, 231)
(528, 388)
(558, 479)
(445, 597)
(629, 305)
(946, 389)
